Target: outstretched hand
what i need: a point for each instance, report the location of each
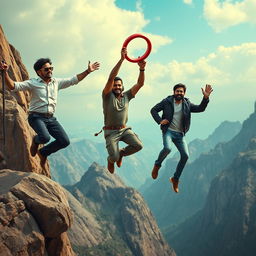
(207, 91)
(93, 67)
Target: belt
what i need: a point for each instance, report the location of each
(48, 115)
(114, 127)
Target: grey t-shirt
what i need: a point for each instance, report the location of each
(116, 111)
(176, 124)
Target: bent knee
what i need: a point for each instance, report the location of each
(167, 150)
(185, 157)
(138, 146)
(64, 142)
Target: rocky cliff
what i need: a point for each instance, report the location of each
(127, 226)
(226, 225)
(34, 211)
(18, 132)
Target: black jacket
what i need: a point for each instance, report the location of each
(166, 105)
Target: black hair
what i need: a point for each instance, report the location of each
(117, 78)
(178, 86)
(40, 62)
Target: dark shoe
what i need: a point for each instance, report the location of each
(42, 159)
(175, 184)
(111, 167)
(34, 147)
(154, 173)
(119, 161)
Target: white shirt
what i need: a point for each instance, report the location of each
(44, 96)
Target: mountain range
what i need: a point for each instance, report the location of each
(226, 225)
(124, 225)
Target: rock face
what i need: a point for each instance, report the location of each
(86, 231)
(195, 180)
(227, 223)
(34, 215)
(18, 132)
(125, 224)
(34, 212)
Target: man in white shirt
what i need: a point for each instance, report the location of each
(44, 92)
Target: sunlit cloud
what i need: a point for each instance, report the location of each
(227, 66)
(72, 32)
(221, 15)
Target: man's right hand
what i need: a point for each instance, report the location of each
(3, 66)
(9, 82)
(123, 53)
(164, 121)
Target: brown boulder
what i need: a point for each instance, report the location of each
(34, 215)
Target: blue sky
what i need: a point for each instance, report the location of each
(194, 42)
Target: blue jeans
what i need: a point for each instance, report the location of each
(179, 141)
(45, 127)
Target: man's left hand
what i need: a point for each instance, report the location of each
(142, 64)
(93, 67)
(207, 91)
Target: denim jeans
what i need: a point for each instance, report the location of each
(177, 138)
(45, 127)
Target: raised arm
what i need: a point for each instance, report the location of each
(114, 72)
(4, 68)
(91, 68)
(141, 78)
(202, 106)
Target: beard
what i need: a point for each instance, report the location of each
(178, 97)
(117, 92)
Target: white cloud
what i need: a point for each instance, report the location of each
(227, 13)
(71, 32)
(227, 66)
(228, 69)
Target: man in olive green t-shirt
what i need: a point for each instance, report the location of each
(115, 109)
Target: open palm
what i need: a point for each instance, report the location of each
(207, 91)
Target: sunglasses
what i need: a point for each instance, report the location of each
(47, 69)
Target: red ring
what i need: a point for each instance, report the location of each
(129, 39)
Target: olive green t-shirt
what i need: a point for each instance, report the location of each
(116, 111)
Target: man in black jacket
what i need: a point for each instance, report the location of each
(175, 122)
